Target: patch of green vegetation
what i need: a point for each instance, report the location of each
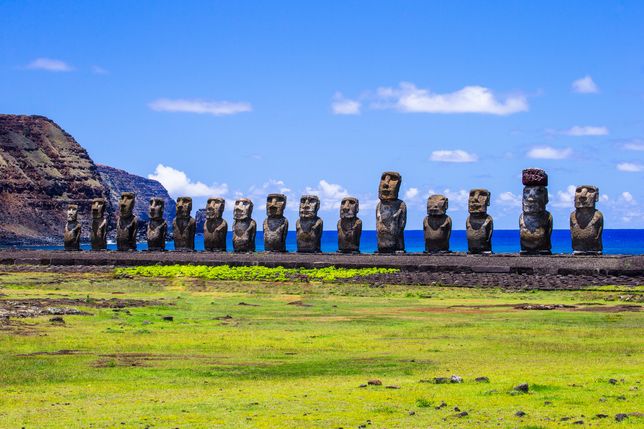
(252, 273)
(291, 355)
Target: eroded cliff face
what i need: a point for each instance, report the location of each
(42, 170)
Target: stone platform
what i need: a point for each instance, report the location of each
(566, 265)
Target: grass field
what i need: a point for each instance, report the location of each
(291, 354)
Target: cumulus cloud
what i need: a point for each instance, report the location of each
(508, 199)
(411, 193)
(627, 197)
(470, 99)
(457, 155)
(636, 145)
(49, 64)
(330, 194)
(548, 152)
(579, 131)
(565, 198)
(215, 108)
(178, 184)
(630, 167)
(585, 85)
(344, 106)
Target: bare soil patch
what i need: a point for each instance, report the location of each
(34, 307)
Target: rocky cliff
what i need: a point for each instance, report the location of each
(43, 169)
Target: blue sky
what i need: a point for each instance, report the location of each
(246, 98)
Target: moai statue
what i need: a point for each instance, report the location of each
(126, 225)
(349, 226)
(391, 215)
(184, 226)
(157, 226)
(535, 223)
(275, 225)
(586, 222)
(309, 226)
(72, 233)
(437, 225)
(244, 227)
(479, 225)
(215, 228)
(98, 235)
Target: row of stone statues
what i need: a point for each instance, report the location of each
(535, 222)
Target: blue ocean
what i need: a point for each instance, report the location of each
(616, 241)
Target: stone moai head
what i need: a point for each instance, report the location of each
(437, 205)
(184, 207)
(349, 208)
(389, 185)
(586, 196)
(72, 213)
(243, 209)
(309, 206)
(98, 208)
(126, 204)
(155, 210)
(275, 205)
(478, 201)
(215, 208)
(535, 191)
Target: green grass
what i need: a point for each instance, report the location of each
(271, 364)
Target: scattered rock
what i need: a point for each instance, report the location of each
(299, 304)
(542, 306)
(455, 379)
(441, 380)
(462, 414)
(612, 381)
(482, 380)
(363, 385)
(457, 409)
(226, 317)
(441, 405)
(248, 305)
(412, 413)
(57, 320)
(393, 386)
(620, 417)
(564, 419)
(602, 399)
(578, 422)
(519, 414)
(168, 318)
(374, 382)
(547, 403)
(523, 387)
(601, 416)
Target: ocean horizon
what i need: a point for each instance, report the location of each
(616, 241)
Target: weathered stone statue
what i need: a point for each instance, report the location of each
(391, 214)
(184, 226)
(215, 228)
(244, 227)
(72, 233)
(437, 225)
(157, 226)
(586, 222)
(349, 226)
(535, 223)
(98, 234)
(126, 225)
(275, 225)
(309, 226)
(479, 225)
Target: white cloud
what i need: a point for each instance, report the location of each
(178, 184)
(453, 156)
(49, 64)
(99, 70)
(630, 167)
(585, 85)
(565, 198)
(344, 106)
(471, 99)
(330, 194)
(636, 145)
(579, 131)
(547, 152)
(411, 193)
(215, 108)
(508, 199)
(627, 197)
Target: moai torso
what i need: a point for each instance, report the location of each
(126, 225)
(437, 226)
(244, 228)
(157, 226)
(215, 228)
(586, 222)
(479, 225)
(98, 234)
(275, 224)
(72, 233)
(535, 223)
(391, 215)
(309, 226)
(184, 225)
(349, 226)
